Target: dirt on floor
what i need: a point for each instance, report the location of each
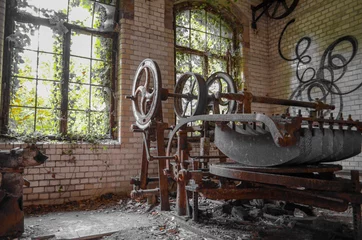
(116, 217)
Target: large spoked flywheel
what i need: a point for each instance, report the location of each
(193, 89)
(223, 83)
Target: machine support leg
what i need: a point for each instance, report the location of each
(163, 182)
(195, 212)
(181, 199)
(357, 223)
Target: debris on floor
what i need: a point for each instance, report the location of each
(110, 217)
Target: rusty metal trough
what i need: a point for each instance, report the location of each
(274, 157)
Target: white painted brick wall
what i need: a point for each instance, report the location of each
(324, 22)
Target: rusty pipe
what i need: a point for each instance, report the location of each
(142, 193)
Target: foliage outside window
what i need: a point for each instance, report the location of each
(61, 74)
(203, 42)
(206, 43)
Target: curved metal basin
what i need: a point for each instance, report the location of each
(256, 148)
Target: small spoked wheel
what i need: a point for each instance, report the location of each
(193, 89)
(223, 83)
(278, 9)
(146, 92)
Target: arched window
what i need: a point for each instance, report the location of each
(205, 42)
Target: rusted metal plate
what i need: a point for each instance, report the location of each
(282, 180)
(253, 150)
(334, 204)
(11, 217)
(285, 169)
(313, 145)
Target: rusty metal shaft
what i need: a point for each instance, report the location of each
(242, 96)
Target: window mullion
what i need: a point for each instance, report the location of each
(65, 83)
(7, 60)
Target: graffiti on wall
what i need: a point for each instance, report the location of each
(326, 79)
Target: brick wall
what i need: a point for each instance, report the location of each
(324, 22)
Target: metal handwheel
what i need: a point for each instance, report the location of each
(194, 101)
(146, 92)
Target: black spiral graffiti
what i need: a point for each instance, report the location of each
(335, 65)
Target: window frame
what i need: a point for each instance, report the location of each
(233, 63)
(12, 15)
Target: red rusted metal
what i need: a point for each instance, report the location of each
(12, 164)
(281, 180)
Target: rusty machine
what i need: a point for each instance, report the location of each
(280, 157)
(12, 164)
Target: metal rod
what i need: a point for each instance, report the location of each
(208, 157)
(180, 95)
(286, 102)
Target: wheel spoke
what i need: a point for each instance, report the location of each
(143, 107)
(185, 109)
(139, 89)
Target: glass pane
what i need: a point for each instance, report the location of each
(46, 68)
(47, 121)
(100, 98)
(78, 96)
(48, 94)
(23, 92)
(24, 63)
(182, 62)
(213, 44)
(26, 36)
(182, 37)
(99, 123)
(216, 65)
(103, 17)
(213, 24)
(80, 12)
(198, 20)
(198, 40)
(102, 48)
(225, 45)
(81, 45)
(197, 64)
(21, 120)
(78, 122)
(101, 73)
(49, 41)
(79, 70)
(183, 19)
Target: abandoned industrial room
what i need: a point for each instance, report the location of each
(180, 119)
